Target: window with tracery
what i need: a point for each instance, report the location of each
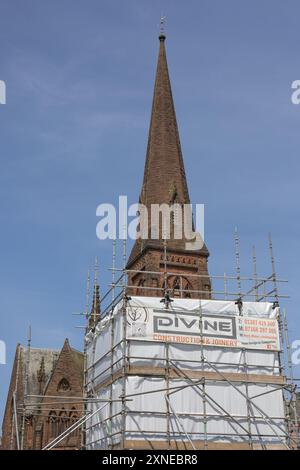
(73, 417)
(52, 424)
(180, 286)
(64, 385)
(63, 421)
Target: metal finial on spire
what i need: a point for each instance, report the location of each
(162, 23)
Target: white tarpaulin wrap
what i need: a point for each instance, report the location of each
(232, 343)
(146, 413)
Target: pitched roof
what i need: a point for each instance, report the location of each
(76, 356)
(78, 359)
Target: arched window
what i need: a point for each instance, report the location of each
(73, 418)
(64, 420)
(64, 385)
(176, 287)
(52, 424)
(180, 286)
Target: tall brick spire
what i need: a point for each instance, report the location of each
(164, 177)
(164, 168)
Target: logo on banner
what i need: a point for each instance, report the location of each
(137, 315)
(208, 325)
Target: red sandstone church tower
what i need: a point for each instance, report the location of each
(165, 183)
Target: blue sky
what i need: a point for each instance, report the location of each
(79, 77)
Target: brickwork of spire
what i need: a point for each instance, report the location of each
(165, 182)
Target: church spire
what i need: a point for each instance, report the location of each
(164, 168)
(164, 179)
(164, 182)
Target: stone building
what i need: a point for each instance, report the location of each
(45, 379)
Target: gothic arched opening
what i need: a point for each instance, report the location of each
(64, 385)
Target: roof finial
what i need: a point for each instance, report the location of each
(162, 23)
(95, 311)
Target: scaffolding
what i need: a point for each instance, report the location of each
(108, 400)
(246, 380)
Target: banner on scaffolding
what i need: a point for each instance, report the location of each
(196, 327)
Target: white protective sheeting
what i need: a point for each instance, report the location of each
(146, 417)
(226, 413)
(100, 426)
(188, 406)
(142, 352)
